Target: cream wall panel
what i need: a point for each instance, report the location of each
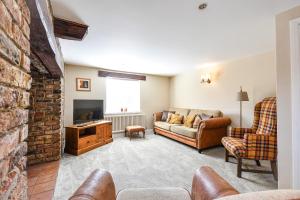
(257, 75)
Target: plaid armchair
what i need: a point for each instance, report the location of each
(256, 143)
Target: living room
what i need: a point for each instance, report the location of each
(149, 99)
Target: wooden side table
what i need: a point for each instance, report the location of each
(134, 129)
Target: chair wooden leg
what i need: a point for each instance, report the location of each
(239, 168)
(226, 155)
(274, 169)
(257, 163)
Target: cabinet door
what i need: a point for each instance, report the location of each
(101, 133)
(108, 131)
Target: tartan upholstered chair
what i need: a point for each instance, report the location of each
(256, 143)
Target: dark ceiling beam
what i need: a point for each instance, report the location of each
(121, 75)
(70, 30)
(42, 39)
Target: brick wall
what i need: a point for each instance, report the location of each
(15, 82)
(45, 117)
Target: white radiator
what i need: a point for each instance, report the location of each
(120, 121)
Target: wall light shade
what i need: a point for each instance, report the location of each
(206, 78)
(242, 96)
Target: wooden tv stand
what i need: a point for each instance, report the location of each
(85, 137)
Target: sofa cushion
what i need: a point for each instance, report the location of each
(169, 116)
(214, 113)
(235, 146)
(165, 115)
(188, 122)
(265, 195)
(197, 121)
(176, 119)
(154, 194)
(162, 125)
(185, 131)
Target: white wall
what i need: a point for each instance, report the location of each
(257, 75)
(288, 172)
(154, 91)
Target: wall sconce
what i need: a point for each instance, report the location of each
(206, 79)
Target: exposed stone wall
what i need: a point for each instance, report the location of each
(15, 81)
(45, 118)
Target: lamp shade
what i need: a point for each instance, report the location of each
(242, 96)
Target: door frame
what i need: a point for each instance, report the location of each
(295, 98)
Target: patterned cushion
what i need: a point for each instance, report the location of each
(197, 121)
(165, 114)
(176, 119)
(235, 146)
(169, 116)
(267, 120)
(189, 121)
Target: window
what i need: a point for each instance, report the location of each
(122, 94)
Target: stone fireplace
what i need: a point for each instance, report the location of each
(45, 116)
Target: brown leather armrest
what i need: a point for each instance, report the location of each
(208, 185)
(157, 116)
(217, 122)
(98, 186)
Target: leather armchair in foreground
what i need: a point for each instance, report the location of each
(207, 185)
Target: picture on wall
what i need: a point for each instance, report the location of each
(83, 84)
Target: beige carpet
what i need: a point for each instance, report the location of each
(153, 162)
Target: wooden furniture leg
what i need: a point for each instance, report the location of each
(144, 134)
(239, 168)
(226, 155)
(274, 169)
(257, 163)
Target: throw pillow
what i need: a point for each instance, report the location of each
(170, 115)
(205, 116)
(176, 119)
(189, 121)
(164, 116)
(197, 121)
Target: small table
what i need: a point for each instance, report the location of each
(134, 129)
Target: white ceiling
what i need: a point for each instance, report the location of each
(168, 36)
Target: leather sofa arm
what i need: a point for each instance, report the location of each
(98, 186)
(157, 116)
(208, 185)
(217, 122)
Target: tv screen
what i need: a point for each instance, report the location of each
(87, 110)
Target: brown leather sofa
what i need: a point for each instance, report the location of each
(207, 185)
(209, 134)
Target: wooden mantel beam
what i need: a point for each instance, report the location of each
(42, 40)
(69, 30)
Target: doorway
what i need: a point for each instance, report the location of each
(295, 98)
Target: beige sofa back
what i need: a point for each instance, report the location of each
(186, 111)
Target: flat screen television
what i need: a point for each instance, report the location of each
(87, 111)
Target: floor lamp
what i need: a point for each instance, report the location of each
(242, 96)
